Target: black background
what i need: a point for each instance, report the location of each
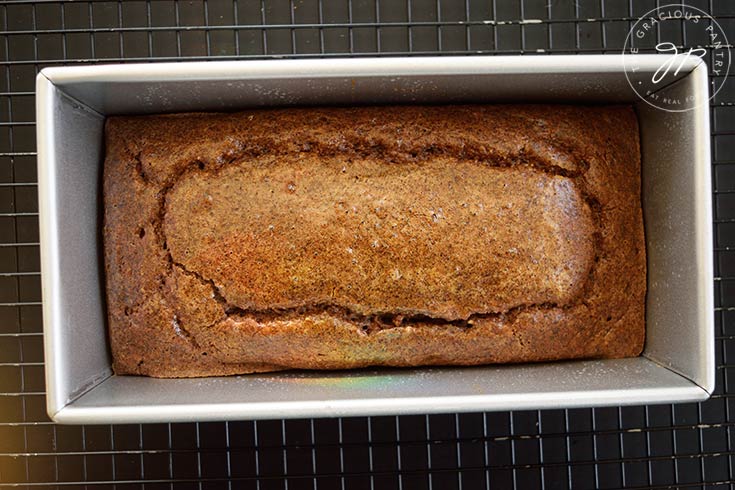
(685, 445)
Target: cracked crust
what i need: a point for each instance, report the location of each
(344, 237)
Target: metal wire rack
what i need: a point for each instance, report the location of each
(683, 446)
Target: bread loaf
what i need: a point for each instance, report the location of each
(328, 238)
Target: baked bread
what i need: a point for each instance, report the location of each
(328, 238)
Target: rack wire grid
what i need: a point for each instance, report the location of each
(682, 446)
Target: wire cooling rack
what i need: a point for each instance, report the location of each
(683, 446)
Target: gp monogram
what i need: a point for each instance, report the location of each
(683, 32)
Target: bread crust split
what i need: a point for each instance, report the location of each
(331, 238)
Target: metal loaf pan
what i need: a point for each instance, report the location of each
(678, 363)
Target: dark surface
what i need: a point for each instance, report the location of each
(660, 446)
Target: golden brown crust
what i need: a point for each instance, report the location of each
(344, 237)
(436, 238)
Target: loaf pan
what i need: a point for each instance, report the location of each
(678, 363)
